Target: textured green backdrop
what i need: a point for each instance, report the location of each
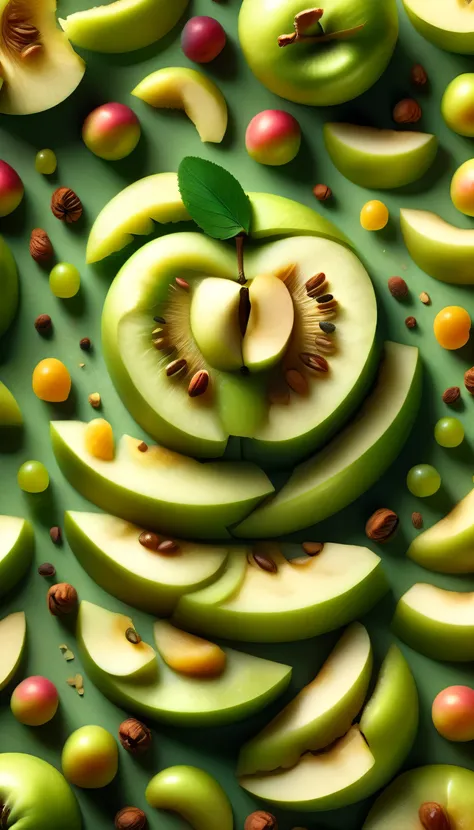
(166, 138)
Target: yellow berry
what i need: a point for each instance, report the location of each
(374, 215)
(452, 326)
(100, 439)
(51, 381)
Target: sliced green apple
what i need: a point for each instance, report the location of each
(16, 550)
(12, 640)
(448, 546)
(114, 645)
(438, 248)
(297, 598)
(160, 488)
(10, 413)
(245, 686)
(359, 763)
(437, 622)
(379, 159)
(109, 550)
(270, 323)
(189, 90)
(322, 712)
(123, 25)
(194, 795)
(8, 285)
(221, 343)
(448, 24)
(352, 461)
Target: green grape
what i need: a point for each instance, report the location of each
(64, 280)
(46, 162)
(423, 480)
(33, 477)
(449, 432)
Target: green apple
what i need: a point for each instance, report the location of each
(457, 104)
(160, 488)
(123, 25)
(448, 546)
(8, 284)
(90, 758)
(186, 89)
(34, 795)
(449, 787)
(194, 795)
(379, 159)
(311, 72)
(16, 550)
(296, 599)
(436, 622)
(443, 251)
(10, 413)
(246, 686)
(12, 640)
(448, 24)
(361, 762)
(322, 712)
(109, 550)
(352, 461)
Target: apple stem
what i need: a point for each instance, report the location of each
(244, 309)
(239, 244)
(305, 21)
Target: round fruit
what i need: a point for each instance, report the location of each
(273, 137)
(11, 189)
(202, 39)
(457, 106)
(449, 432)
(453, 713)
(90, 757)
(423, 480)
(374, 215)
(111, 131)
(452, 326)
(51, 381)
(46, 162)
(64, 280)
(35, 701)
(33, 477)
(462, 188)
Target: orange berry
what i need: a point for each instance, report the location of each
(51, 381)
(100, 439)
(452, 326)
(374, 215)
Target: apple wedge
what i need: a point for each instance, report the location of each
(361, 762)
(186, 89)
(443, 251)
(293, 599)
(448, 24)
(448, 546)
(114, 645)
(10, 413)
(379, 159)
(16, 550)
(245, 686)
(322, 712)
(270, 324)
(8, 286)
(109, 550)
(12, 644)
(354, 460)
(160, 488)
(192, 794)
(437, 622)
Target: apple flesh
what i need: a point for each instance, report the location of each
(448, 546)
(273, 137)
(90, 758)
(187, 654)
(438, 248)
(10, 413)
(16, 550)
(12, 644)
(219, 344)
(462, 188)
(111, 131)
(35, 701)
(130, 657)
(270, 323)
(446, 23)
(36, 795)
(194, 795)
(453, 713)
(8, 287)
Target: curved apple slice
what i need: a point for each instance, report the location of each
(123, 25)
(185, 89)
(443, 251)
(246, 685)
(8, 287)
(453, 31)
(379, 159)
(12, 643)
(10, 413)
(194, 795)
(36, 795)
(16, 550)
(437, 622)
(113, 643)
(448, 546)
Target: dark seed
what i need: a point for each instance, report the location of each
(142, 447)
(56, 535)
(417, 520)
(244, 309)
(410, 322)
(198, 383)
(315, 282)
(168, 546)
(149, 540)
(176, 366)
(328, 328)
(182, 284)
(326, 298)
(312, 548)
(265, 563)
(314, 361)
(159, 319)
(133, 636)
(85, 344)
(43, 324)
(244, 370)
(46, 569)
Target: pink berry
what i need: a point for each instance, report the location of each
(11, 189)
(273, 137)
(202, 39)
(111, 131)
(34, 701)
(453, 713)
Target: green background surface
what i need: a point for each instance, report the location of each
(166, 138)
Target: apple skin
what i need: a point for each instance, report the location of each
(462, 188)
(453, 713)
(202, 39)
(448, 546)
(193, 794)
(35, 701)
(11, 189)
(16, 558)
(10, 413)
(443, 251)
(457, 105)
(273, 137)
(37, 793)
(111, 131)
(450, 39)
(90, 757)
(8, 287)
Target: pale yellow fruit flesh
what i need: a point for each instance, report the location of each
(12, 640)
(214, 320)
(450, 607)
(108, 645)
(456, 16)
(270, 323)
(188, 654)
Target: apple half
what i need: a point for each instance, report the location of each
(379, 159)
(35, 796)
(360, 762)
(8, 285)
(448, 24)
(448, 546)
(246, 685)
(292, 600)
(443, 251)
(12, 644)
(16, 550)
(437, 622)
(10, 412)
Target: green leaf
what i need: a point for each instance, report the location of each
(213, 198)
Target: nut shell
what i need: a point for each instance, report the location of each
(452, 394)
(322, 192)
(131, 818)
(41, 248)
(62, 599)
(260, 820)
(382, 525)
(469, 380)
(66, 205)
(134, 736)
(398, 288)
(407, 111)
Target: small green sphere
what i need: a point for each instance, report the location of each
(46, 162)
(423, 480)
(64, 280)
(449, 432)
(33, 477)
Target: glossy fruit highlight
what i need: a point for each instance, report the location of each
(51, 380)
(202, 39)
(449, 432)
(453, 713)
(111, 131)
(423, 480)
(452, 326)
(11, 189)
(46, 162)
(90, 757)
(64, 280)
(35, 701)
(462, 188)
(273, 137)
(374, 215)
(457, 105)
(33, 477)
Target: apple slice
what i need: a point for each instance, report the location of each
(187, 654)
(379, 159)
(322, 712)
(189, 90)
(446, 23)
(448, 546)
(220, 344)
(114, 645)
(12, 644)
(194, 795)
(16, 550)
(246, 685)
(10, 413)
(292, 600)
(270, 323)
(36, 795)
(443, 251)
(8, 285)
(160, 488)
(436, 622)
(352, 461)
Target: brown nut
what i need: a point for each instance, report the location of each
(469, 380)
(46, 569)
(452, 394)
(41, 248)
(407, 111)
(56, 535)
(43, 324)
(134, 736)
(418, 75)
(198, 384)
(410, 322)
(382, 525)
(322, 192)
(66, 205)
(62, 599)
(398, 287)
(261, 821)
(149, 540)
(417, 520)
(433, 816)
(131, 818)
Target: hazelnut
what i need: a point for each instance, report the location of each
(451, 395)
(469, 380)
(130, 818)
(43, 324)
(261, 821)
(134, 736)
(62, 599)
(418, 75)
(382, 525)
(398, 287)
(410, 322)
(322, 192)
(407, 111)
(41, 248)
